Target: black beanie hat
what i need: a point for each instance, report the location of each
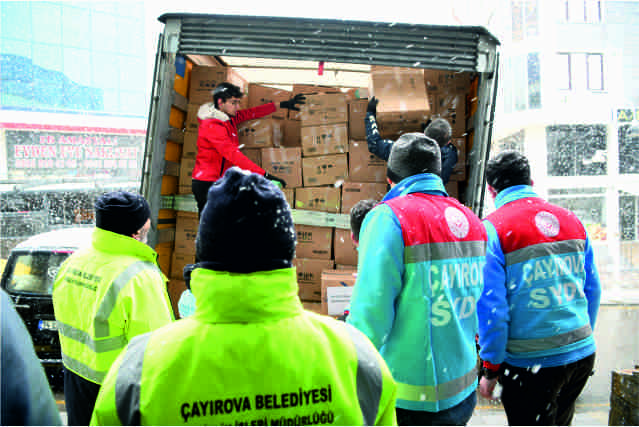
(121, 212)
(246, 225)
(412, 154)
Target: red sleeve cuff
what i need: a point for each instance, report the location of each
(491, 366)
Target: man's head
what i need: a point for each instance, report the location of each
(226, 98)
(440, 130)
(246, 225)
(358, 212)
(506, 169)
(124, 213)
(412, 154)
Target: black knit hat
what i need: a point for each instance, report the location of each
(412, 154)
(246, 225)
(507, 169)
(121, 212)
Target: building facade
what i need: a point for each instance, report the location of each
(569, 101)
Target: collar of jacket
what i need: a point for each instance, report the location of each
(208, 111)
(513, 193)
(118, 244)
(223, 297)
(421, 183)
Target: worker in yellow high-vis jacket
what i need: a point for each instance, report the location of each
(104, 295)
(250, 354)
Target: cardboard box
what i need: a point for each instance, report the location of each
(356, 116)
(443, 81)
(289, 194)
(191, 123)
(315, 307)
(260, 133)
(353, 192)
(259, 95)
(393, 125)
(292, 133)
(326, 139)
(254, 154)
(186, 226)
(175, 288)
(186, 169)
(189, 146)
(350, 268)
(322, 199)
(314, 242)
(309, 277)
(343, 247)
(314, 89)
(164, 251)
(324, 170)
(452, 188)
(452, 107)
(322, 109)
(399, 90)
(364, 166)
(337, 289)
(179, 260)
(203, 80)
(285, 163)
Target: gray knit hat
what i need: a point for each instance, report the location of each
(412, 154)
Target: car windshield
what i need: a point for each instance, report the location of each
(34, 272)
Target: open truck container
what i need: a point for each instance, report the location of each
(287, 53)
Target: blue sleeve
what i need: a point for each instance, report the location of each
(376, 145)
(492, 307)
(26, 396)
(380, 271)
(592, 286)
(449, 160)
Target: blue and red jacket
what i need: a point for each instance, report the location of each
(218, 145)
(421, 256)
(542, 290)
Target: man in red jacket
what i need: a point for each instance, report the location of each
(218, 145)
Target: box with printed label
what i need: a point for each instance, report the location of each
(289, 195)
(186, 226)
(189, 146)
(393, 125)
(443, 81)
(314, 242)
(178, 261)
(254, 154)
(285, 163)
(322, 199)
(344, 249)
(322, 109)
(356, 116)
(313, 89)
(324, 170)
(186, 169)
(309, 277)
(291, 133)
(164, 251)
(353, 192)
(337, 289)
(191, 123)
(203, 80)
(452, 107)
(260, 133)
(327, 139)
(259, 95)
(364, 166)
(399, 90)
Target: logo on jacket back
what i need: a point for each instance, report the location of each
(547, 223)
(457, 222)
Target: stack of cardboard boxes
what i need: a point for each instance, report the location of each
(321, 153)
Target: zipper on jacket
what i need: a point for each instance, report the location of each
(221, 168)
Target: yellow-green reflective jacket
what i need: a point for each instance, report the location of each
(250, 355)
(103, 296)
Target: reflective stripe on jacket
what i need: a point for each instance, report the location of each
(542, 290)
(218, 144)
(105, 295)
(249, 355)
(419, 276)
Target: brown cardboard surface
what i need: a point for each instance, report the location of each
(322, 109)
(393, 125)
(399, 90)
(315, 307)
(314, 242)
(178, 261)
(203, 81)
(326, 139)
(313, 89)
(459, 172)
(191, 123)
(260, 133)
(324, 170)
(447, 81)
(189, 146)
(186, 169)
(353, 192)
(309, 277)
(452, 188)
(322, 199)
(343, 247)
(186, 226)
(164, 251)
(175, 288)
(356, 117)
(452, 107)
(258, 95)
(363, 166)
(291, 133)
(254, 154)
(285, 163)
(334, 305)
(289, 194)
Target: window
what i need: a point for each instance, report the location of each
(581, 11)
(576, 150)
(564, 71)
(512, 142)
(589, 205)
(628, 149)
(525, 19)
(594, 70)
(534, 81)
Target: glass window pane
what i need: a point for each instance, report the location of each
(520, 86)
(15, 20)
(47, 56)
(595, 71)
(46, 22)
(105, 70)
(103, 27)
(628, 149)
(591, 150)
(576, 11)
(517, 21)
(534, 81)
(130, 75)
(77, 65)
(75, 27)
(563, 76)
(560, 144)
(593, 11)
(532, 18)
